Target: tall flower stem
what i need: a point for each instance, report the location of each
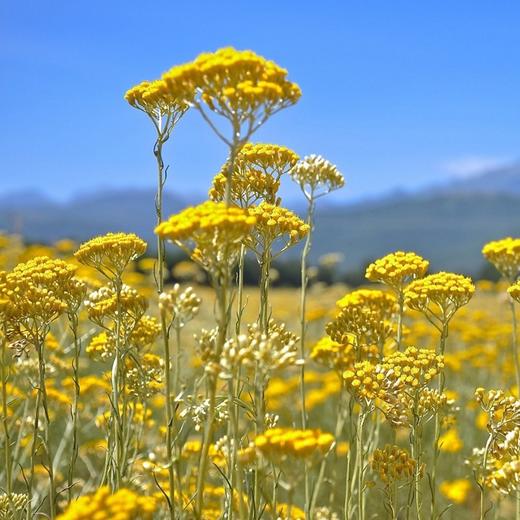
(162, 137)
(303, 325)
(514, 343)
(5, 417)
(482, 485)
(437, 432)
(73, 319)
(42, 390)
(400, 315)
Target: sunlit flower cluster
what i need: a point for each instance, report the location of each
(317, 176)
(504, 254)
(392, 464)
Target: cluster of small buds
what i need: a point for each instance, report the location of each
(393, 464)
(279, 443)
(198, 411)
(414, 367)
(514, 291)
(274, 223)
(439, 294)
(317, 176)
(144, 375)
(12, 506)
(506, 478)
(180, 306)
(504, 254)
(364, 381)
(37, 292)
(110, 254)
(503, 411)
(157, 100)
(256, 174)
(397, 269)
(245, 455)
(236, 84)
(211, 232)
(105, 304)
(334, 355)
(365, 314)
(206, 343)
(124, 504)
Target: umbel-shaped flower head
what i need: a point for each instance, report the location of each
(275, 224)
(514, 291)
(334, 355)
(36, 293)
(110, 254)
(317, 176)
(210, 232)
(397, 269)
(278, 444)
(238, 85)
(439, 295)
(257, 170)
(364, 314)
(155, 99)
(392, 464)
(504, 254)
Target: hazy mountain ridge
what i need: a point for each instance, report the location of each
(447, 222)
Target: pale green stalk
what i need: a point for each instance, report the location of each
(8, 461)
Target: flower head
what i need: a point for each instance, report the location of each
(439, 295)
(211, 232)
(317, 176)
(257, 170)
(397, 269)
(392, 464)
(235, 84)
(110, 254)
(274, 223)
(504, 254)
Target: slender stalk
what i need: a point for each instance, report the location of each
(5, 417)
(360, 464)
(303, 328)
(42, 389)
(74, 412)
(437, 433)
(482, 485)
(400, 315)
(514, 343)
(350, 436)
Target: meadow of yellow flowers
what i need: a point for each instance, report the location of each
(124, 396)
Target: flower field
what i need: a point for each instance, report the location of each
(134, 389)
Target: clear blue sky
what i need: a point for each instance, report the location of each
(396, 93)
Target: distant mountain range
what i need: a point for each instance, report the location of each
(447, 223)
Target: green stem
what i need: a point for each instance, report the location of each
(514, 344)
(303, 329)
(5, 418)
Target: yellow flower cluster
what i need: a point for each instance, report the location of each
(397, 269)
(364, 313)
(212, 227)
(102, 505)
(503, 410)
(514, 291)
(235, 84)
(330, 353)
(104, 303)
(439, 294)
(414, 367)
(36, 292)
(506, 478)
(456, 490)
(180, 306)
(278, 443)
(364, 381)
(504, 254)
(316, 174)
(276, 223)
(110, 254)
(392, 464)
(156, 99)
(256, 174)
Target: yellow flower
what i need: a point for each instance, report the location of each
(397, 269)
(110, 254)
(257, 170)
(450, 441)
(456, 490)
(504, 254)
(102, 505)
(236, 84)
(392, 464)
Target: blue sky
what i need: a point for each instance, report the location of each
(396, 93)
